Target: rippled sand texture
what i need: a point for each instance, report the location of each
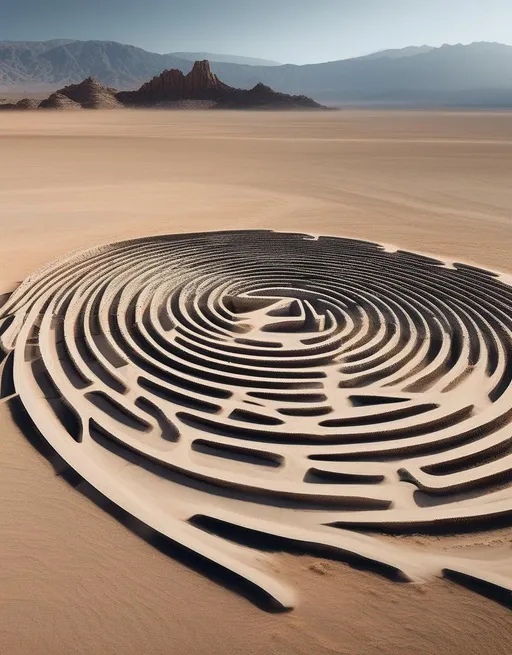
(273, 391)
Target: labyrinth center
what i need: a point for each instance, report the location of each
(322, 391)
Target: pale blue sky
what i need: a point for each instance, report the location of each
(296, 31)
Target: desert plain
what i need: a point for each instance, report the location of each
(73, 579)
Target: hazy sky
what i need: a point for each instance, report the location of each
(296, 31)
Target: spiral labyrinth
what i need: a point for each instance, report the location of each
(317, 390)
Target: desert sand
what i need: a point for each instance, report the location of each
(77, 580)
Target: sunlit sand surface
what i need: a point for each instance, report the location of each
(77, 580)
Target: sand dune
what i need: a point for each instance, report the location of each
(249, 389)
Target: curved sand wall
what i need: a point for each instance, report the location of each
(279, 384)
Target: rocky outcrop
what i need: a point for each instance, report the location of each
(200, 89)
(59, 101)
(263, 97)
(9, 105)
(90, 94)
(202, 85)
(27, 103)
(199, 84)
(24, 104)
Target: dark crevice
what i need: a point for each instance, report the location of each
(368, 401)
(6, 323)
(504, 383)
(117, 411)
(305, 411)
(245, 455)
(289, 397)
(66, 415)
(178, 398)
(253, 538)
(7, 387)
(319, 476)
(377, 419)
(482, 587)
(480, 458)
(254, 417)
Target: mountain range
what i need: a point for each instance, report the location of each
(479, 74)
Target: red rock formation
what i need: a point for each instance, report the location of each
(199, 84)
(172, 86)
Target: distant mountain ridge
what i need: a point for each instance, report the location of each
(59, 62)
(479, 74)
(410, 51)
(225, 59)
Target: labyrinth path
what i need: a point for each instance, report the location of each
(320, 391)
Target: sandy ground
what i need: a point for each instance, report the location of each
(72, 579)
